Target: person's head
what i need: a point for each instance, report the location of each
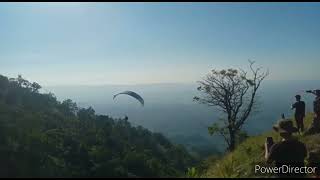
(298, 97)
(285, 128)
(285, 135)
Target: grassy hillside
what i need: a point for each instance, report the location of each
(242, 161)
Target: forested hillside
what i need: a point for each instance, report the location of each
(42, 137)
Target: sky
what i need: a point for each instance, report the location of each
(140, 43)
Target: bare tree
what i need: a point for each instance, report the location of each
(234, 93)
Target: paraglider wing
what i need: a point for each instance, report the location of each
(132, 94)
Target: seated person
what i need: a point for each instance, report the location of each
(289, 151)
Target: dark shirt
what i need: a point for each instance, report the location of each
(300, 107)
(316, 106)
(290, 153)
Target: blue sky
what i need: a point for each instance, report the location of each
(138, 43)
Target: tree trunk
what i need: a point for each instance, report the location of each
(232, 144)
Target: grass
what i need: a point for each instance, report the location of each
(241, 162)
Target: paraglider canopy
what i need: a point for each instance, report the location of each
(132, 94)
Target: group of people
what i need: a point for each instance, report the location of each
(290, 151)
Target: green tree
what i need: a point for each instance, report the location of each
(35, 87)
(69, 107)
(234, 93)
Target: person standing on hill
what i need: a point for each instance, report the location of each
(315, 126)
(300, 112)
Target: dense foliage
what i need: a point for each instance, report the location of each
(42, 137)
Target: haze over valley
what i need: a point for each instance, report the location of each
(169, 108)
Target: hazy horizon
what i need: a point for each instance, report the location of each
(169, 108)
